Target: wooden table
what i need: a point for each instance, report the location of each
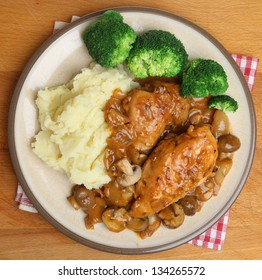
(24, 25)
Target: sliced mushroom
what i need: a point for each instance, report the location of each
(189, 204)
(135, 156)
(222, 155)
(220, 124)
(137, 224)
(203, 192)
(172, 216)
(115, 219)
(154, 223)
(117, 195)
(125, 166)
(128, 180)
(222, 169)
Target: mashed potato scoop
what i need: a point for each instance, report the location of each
(73, 131)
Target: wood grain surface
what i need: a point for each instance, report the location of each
(24, 25)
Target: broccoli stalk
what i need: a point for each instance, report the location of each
(157, 53)
(203, 77)
(109, 40)
(223, 102)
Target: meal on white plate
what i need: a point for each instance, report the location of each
(142, 133)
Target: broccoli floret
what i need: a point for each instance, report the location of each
(157, 53)
(109, 39)
(112, 15)
(223, 102)
(203, 77)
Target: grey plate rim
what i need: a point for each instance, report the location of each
(40, 208)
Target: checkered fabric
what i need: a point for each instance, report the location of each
(248, 65)
(214, 237)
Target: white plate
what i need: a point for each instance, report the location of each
(56, 62)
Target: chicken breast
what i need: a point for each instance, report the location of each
(151, 112)
(174, 168)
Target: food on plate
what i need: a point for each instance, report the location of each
(73, 131)
(223, 102)
(172, 216)
(145, 151)
(228, 143)
(109, 40)
(166, 156)
(175, 167)
(220, 124)
(157, 53)
(144, 115)
(203, 77)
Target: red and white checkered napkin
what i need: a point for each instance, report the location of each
(214, 237)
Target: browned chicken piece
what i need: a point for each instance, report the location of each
(151, 112)
(174, 168)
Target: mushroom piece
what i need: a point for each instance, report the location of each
(222, 155)
(135, 156)
(154, 223)
(222, 169)
(189, 204)
(220, 124)
(83, 196)
(205, 191)
(195, 116)
(129, 180)
(117, 195)
(228, 143)
(137, 224)
(125, 166)
(172, 216)
(115, 219)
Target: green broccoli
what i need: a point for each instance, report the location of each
(112, 15)
(223, 102)
(109, 39)
(203, 77)
(157, 53)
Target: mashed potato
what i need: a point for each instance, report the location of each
(73, 131)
